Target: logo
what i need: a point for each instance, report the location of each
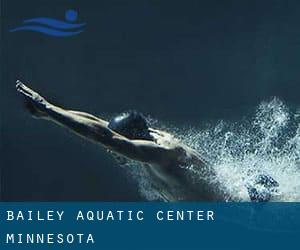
(53, 27)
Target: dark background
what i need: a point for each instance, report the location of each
(182, 62)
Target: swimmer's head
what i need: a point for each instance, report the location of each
(132, 125)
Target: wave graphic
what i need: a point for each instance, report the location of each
(53, 23)
(53, 27)
(47, 31)
(268, 141)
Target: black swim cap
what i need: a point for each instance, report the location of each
(132, 125)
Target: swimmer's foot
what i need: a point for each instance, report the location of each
(263, 188)
(34, 103)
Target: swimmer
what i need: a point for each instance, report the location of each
(129, 136)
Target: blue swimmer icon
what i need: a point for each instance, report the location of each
(53, 27)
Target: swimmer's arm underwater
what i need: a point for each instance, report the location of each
(95, 129)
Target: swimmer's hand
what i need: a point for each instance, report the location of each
(35, 103)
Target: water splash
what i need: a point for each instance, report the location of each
(267, 142)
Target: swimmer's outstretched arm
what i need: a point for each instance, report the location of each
(95, 129)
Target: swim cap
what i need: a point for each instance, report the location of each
(132, 125)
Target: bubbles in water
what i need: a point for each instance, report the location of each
(267, 142)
